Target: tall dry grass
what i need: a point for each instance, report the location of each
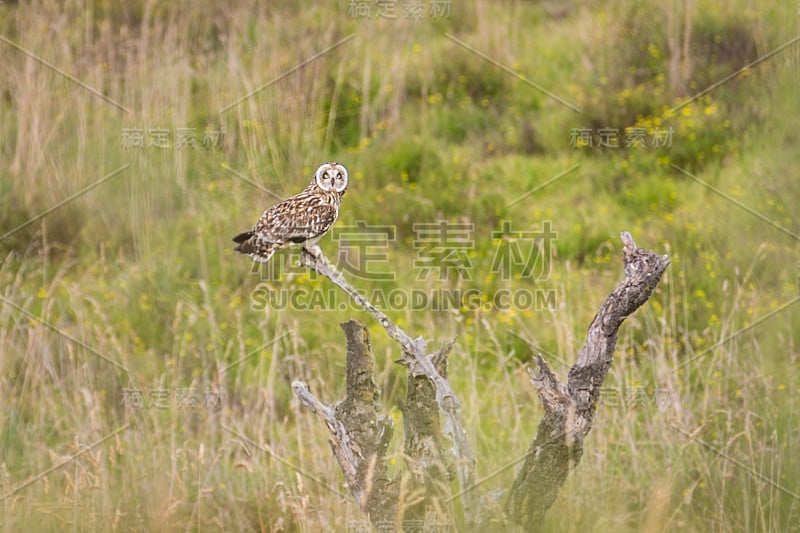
(132, 285)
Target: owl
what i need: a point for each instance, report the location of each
(303, 218)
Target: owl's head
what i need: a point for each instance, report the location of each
(331, 176)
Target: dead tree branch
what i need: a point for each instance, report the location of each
(424, 450)
(360, 435)
(359, 438)
(570, 408)
(418, 362)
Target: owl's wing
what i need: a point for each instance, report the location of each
(296, 219)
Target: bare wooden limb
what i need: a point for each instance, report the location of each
(360, 437)
(359, 434)
(340, 441)
(552, 393)
(424, 452)
(369, 431)
(419, 363)
(570, 408)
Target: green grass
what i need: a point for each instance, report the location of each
(139, 270)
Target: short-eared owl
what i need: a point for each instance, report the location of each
(303, 218)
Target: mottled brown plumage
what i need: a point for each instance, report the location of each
(303, 218)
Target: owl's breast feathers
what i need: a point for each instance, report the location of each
(304, 216)
(308, 214)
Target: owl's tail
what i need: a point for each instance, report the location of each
(258, 249)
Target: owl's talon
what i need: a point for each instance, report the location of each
(314, 251)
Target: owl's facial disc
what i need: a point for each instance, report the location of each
(324, 177)
(339, 178)
(331, 176)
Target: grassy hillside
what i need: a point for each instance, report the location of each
(137, 138)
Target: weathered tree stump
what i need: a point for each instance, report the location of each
(360, 434)
(570, 408)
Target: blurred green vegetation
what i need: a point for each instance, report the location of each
(140, 267)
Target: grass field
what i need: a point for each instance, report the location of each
(146, 368)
